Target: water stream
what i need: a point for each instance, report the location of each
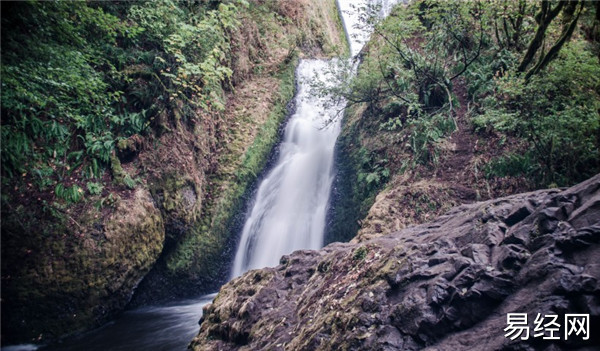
(289, 209)
(170, 327)
(290, 206)
(287, 213)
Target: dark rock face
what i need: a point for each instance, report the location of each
(444, 285)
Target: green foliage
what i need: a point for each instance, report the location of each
(425, 135)
(16, 146)
(42, 176)
(556, 112)
(512, 165)
(51, 88)
(70, 194)
(129, 182)
(78, 77)
(372, 173)
(417, 53)
(482, 72)
(111, 201)
(360, 254)
(208, 237)
(193, 66)
(95, 188)
(100, 147)
(407, 76)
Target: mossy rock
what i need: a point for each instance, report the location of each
(80, 272)
(180, 199)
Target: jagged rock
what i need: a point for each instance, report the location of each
(443, 285)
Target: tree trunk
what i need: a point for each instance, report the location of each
(569, 27)
(545, 16)
(518, 24)
(497, 33)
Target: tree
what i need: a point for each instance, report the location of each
(571, 10)
(415, 55)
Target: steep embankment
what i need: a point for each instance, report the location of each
(82, 227)
(447, 284)
(444, 111)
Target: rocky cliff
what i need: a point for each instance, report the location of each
(444, 285)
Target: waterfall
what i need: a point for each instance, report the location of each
(288, 211)
(290, 205)
(353, 11)
(289, 208)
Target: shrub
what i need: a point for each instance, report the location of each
(95, 188)
(557, 112)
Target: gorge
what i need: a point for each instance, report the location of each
(298, 175)
(288, 212)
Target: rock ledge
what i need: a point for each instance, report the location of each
(443, 285)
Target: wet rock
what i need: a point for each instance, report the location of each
(444, 285)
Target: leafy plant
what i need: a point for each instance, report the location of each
(70, 194)
(512, 165)
(76, 78)
(373, 172)
(556, 112)
(95, 188)
(42, 176)
(100, 146)
(360, 253)
(129, 182)
(425, 135)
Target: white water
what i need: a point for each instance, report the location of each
(160, 328)
(352, 13)
(291, 203)
(288, 212)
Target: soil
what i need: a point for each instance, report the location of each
(427, 191)
(453, 168)
(461, 166)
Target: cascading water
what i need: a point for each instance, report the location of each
(167, 327)
(290, 205)
(288, 212)
(353, 15)
(291, 202)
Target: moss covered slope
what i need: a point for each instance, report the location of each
(443, 113)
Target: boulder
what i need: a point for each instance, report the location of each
(445, 285)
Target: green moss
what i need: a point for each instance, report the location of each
(200, 252)
(324, 266)
(354, 197)
(125, 144)
(71, 266)
(344, 51)
(73, 276)
(179, 197)
(360, 254)
(117, 170)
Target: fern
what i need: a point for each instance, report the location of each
(129, 182)
(95, 188)
(70, 194)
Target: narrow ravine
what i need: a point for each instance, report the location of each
(287, 214)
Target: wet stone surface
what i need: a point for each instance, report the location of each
(443, 285)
